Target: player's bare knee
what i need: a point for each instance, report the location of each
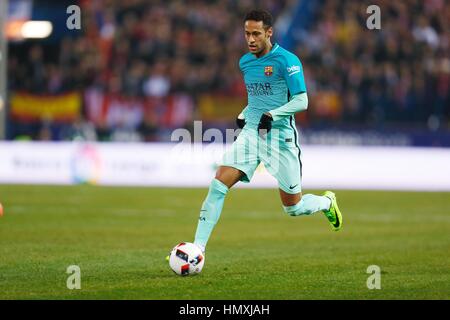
(221, 175)
(228, 176)
(224, 179)
(220, 178)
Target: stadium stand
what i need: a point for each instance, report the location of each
(139, 69)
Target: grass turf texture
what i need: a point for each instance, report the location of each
(120, 236)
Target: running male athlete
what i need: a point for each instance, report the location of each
(276, 91)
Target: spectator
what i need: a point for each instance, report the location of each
(134, 59)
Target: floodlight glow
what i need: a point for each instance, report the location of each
(37, 29)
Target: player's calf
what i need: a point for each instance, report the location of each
(210, 212)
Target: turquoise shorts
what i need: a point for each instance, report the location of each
(279, 151)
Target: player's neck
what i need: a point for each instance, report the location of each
(266, 50)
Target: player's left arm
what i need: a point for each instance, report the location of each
(297, 103)
(295, 81)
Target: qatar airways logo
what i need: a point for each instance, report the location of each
(293, 70)
(259, 89)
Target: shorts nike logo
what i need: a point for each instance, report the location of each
(292, 187)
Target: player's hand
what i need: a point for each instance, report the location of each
(240, 122)
(265, 124)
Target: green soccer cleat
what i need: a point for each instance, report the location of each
(333, 214)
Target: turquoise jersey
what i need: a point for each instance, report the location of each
(270, 81)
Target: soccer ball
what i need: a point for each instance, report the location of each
(186, 259)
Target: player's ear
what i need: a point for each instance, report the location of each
(269, 32)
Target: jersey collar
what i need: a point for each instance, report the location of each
(274, 48)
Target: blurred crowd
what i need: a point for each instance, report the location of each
(397, 75)
(147, 61)
(141, 65)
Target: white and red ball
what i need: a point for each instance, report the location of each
(186, 259)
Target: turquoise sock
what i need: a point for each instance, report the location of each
(309, 204)
(210, 212)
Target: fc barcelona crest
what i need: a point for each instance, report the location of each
(268, 71)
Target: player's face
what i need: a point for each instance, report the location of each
(257, 37)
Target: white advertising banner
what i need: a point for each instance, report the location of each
(187, 165)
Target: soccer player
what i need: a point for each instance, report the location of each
(276, 92)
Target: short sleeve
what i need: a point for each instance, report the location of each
(293, 74)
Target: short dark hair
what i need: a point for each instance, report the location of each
(260, 15)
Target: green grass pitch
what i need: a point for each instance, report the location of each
(119, 238)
